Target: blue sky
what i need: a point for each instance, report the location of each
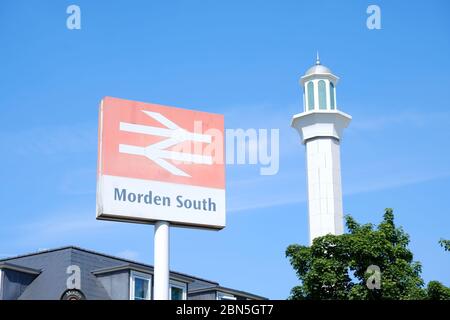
(242, 59)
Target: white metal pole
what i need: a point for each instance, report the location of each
(161, 261)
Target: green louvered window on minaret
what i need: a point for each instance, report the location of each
(310, 95)
(322, 95)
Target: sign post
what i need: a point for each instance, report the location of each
(160, 165)
(161, 258)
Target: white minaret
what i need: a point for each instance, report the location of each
(320, 126)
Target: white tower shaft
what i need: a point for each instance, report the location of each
(321, 132)
(324, 187)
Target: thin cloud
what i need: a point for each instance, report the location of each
(366, 186)
(59, 226)
(79, 182)
(128, 254)
(407, 118)
(395, 182)
(267, 204)
(51, 140)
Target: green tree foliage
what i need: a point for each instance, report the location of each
(445, 244)
(336, 267)
(437, 291)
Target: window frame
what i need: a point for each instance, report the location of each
(322, 94)
(1, 284)
(221, 295)
(332, 93)
(143, 276)
(179, 285)
(310, 95)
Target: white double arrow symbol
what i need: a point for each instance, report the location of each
(156, 152)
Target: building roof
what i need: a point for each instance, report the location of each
(126, 261)
(15, 267)
(141, 268)
(318, 69)
(228, 290)
(49, 267)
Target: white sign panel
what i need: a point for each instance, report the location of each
(159, 163)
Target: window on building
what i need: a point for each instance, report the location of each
(310, 95)
(1, 275)
(176, 293)
(140, 286)
(322, 95)
(332, 103)
(177, 290)
(225, 296)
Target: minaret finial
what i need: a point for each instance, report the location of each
(317, 57)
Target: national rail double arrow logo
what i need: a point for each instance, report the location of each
(158, 152)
